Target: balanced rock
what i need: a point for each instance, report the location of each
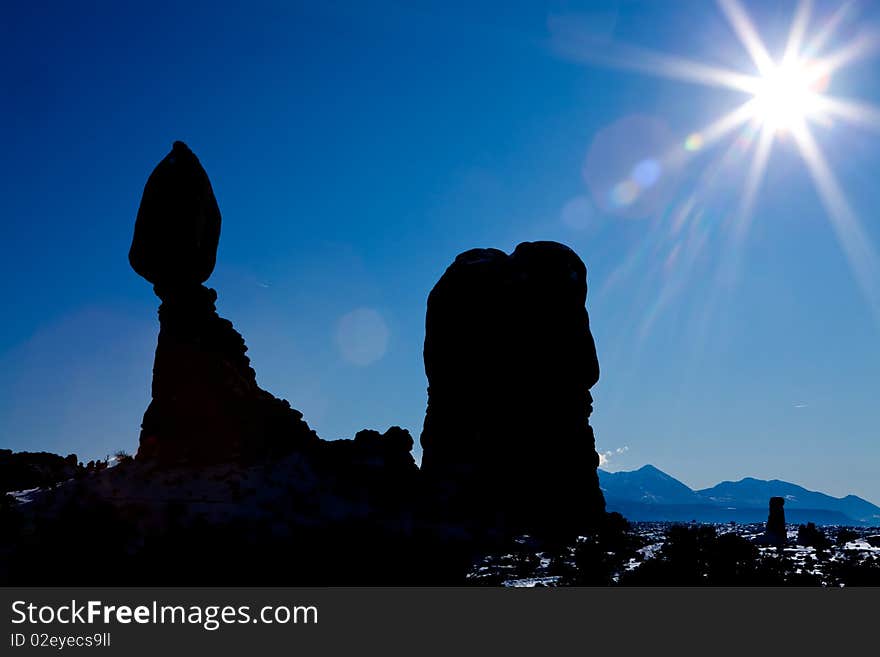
(206, 403)
(510, 361)
(177, 228)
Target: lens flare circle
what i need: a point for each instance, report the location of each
(362, 336)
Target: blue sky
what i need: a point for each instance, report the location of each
(356, 148)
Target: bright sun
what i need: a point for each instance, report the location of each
(785, 97)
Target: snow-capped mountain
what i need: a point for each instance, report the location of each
(650, 494)
(648, 485)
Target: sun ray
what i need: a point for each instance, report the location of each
(729, 256)
(753, 180)
(632, 58)
(683, 247)
(730, 121)
(859, 48)
(855, 112)
(798, 32)
(745, 30)
(856, 246)
(690, 71)
(711, 133)
(820, 38)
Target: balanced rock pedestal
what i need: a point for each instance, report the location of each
(510, 361)
(206, 403)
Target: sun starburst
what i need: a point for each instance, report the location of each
(784, 98)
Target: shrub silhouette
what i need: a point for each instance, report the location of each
(845, 535)
(811, 536)
(698, 556)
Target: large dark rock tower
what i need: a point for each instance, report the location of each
(510, 361)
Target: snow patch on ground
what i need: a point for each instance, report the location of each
(25, 496)
(531, 582)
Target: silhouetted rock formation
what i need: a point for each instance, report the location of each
(378, 466)
(229, 483)
(231, 486)
(775, 533)
(23, 470)
(206, 403)
(339, 512)
(510, 360)
(391, 450)
(177, 228)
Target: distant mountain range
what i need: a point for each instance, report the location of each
(649, 494)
